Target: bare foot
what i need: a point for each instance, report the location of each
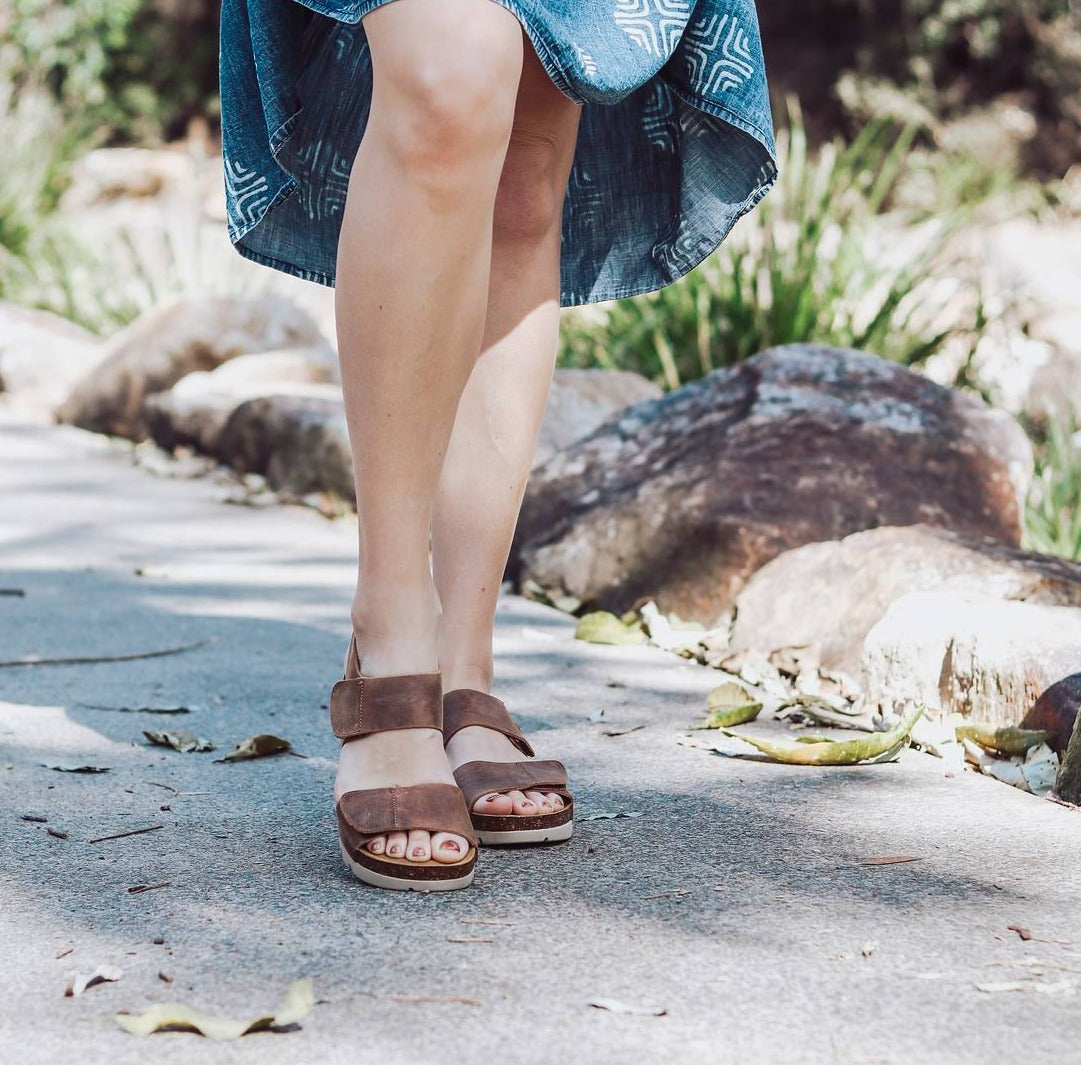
(484, 744)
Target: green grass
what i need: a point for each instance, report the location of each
(824, 258)
(1053, 508)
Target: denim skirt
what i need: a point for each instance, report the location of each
(675, 141)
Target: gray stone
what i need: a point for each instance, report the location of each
(976, 655)
(1056, 711)
(580, 400)
(682, 498)
(298, 440)
(194, 411)
(172, 340)
(108, 174)
(42, 355)
(828, 596)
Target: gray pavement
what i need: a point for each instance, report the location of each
(737, 901)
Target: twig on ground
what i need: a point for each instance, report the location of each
(121, 835)
(92, 659)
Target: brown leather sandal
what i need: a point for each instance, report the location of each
(464, 707)
(359, 706)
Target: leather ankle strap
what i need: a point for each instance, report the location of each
(361, 705)
(463, 707)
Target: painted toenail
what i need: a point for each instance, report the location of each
(450, 845)
(418, 852)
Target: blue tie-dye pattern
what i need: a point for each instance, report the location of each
(675, 144)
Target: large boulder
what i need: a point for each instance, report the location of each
(682, 498)
(579, 400)
(194, 411)
(42, 355)
(829, 596)
(976, 655)
(298, 440)
(169, 342)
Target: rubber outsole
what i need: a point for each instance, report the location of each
(397, 883)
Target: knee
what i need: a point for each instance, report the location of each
(450, 113)
(529, 200)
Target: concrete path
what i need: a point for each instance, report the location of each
(739, 901)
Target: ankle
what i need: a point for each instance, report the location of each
(400, 637)
(473, 675)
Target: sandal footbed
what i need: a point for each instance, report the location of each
(521, 822)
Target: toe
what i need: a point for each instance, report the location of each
(396, 844)
(419, 846)
(556, 800)
(522, 805)
(494, 803)
(448, 848)
(541, 800)
(377, 845)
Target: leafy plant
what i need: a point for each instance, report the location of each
(823, 258)
(1053, 510)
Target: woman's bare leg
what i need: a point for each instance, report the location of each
(412, 286)
(501, 410)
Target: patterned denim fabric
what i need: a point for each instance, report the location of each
(675, 142)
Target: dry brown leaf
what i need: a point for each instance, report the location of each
(259, 746)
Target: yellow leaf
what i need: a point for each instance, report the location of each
(298, 1000)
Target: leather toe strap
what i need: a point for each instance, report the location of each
(479, 778)
(463, 707)
(364, 814)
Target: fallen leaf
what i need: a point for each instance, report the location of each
(77, 982)
(879, 747)
(298, 1000)
(1010, 740)
(609, 816)
(256, 747)
(1023, 932)
(600, 626)
(1040, 769)
(179, 740)
(615, 1006)
(730, 704)
(76, 768)
(895, 859)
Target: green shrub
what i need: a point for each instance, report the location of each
(934, 62)
(821, 259)
(121, 70)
